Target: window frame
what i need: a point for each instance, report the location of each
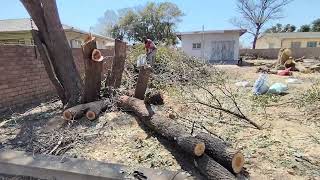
(314, 44)
(196, 46)
(294, 44)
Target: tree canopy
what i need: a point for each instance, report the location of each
(305, 28)
(279, 28)
(157, 21)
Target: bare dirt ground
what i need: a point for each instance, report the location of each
(288, 147)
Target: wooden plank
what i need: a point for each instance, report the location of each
(54, 167)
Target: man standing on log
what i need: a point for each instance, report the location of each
(151, 50)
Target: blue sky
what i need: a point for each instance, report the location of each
(213, 14)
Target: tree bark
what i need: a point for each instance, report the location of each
(142, 82)
(93, 70)
(44, 56)
(95, 108)
(211, 169)
(229, 158)
(256, 36)
(45, 15)
(118, 63)
(163, 126)
(75, 112)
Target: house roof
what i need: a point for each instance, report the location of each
(26, 24)
(240, 31)
(291, 35)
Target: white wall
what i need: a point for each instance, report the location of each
(188, 40)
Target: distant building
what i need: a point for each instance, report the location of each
(18, 31)
(212, 46)
(289, 40)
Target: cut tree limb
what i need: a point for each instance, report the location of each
(95, 108)
(229, 158)
(142, 82)
(211, 169)
(93, 70)
(118, 63)
(75, 112)
(164, 126)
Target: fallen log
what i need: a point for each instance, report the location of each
(75, 112)
(228, 157)
(92, 110)
(95, 108)
(155, 98)
(163, 126)
(211, 169)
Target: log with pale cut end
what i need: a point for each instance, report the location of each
(75, 112)
(95, 108)
(96, 55)
(228, 157)
(212, 169)
(191, 145)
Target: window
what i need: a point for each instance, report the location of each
(196, 45)
(75, 43)
(312, 44)
(295, 44)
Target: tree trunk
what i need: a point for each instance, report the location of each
(44, 56)
(95, 108)
(256, 36)
(164, 126)
(142, 82)
(211, 169)
(229, 158)
(45, 15)
(93, 70)
(118, 63)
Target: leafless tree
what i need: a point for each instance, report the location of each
(254, 14)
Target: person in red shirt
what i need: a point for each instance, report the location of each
(151, 50)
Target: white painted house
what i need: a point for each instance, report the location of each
(213, 46)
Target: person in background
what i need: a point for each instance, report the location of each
(151, 50)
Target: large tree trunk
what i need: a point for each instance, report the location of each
(228, 157)
(211, 169)
(142, 82)
(45, 15)
(93, 70)
(164, 126)
(120, 49)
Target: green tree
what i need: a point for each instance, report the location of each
(305, 28)
(279, 28)
(316, 25)
(157, 21)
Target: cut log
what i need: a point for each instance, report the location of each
(155, 98)
(95, 108)
(142, 82)
(216, 148)
(75, 112)
(191, 145)
(211, 169)
(118, 63)
(93, 71)
(164, 126)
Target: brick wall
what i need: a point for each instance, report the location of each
(23, 79)
(273, 53)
